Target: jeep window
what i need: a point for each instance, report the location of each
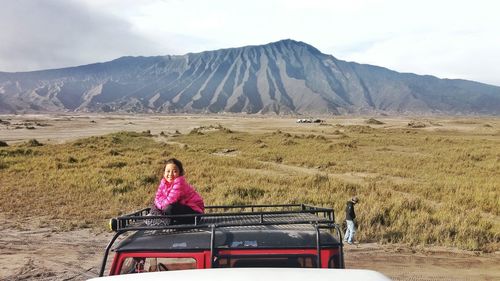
(267, 261)
(140, 264)
(334, 261)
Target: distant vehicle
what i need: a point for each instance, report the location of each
(278, 236)
(304, 120)
(252, 274)
(310, 120)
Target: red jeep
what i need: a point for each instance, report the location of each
(294, 235)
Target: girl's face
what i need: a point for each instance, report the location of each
(171, 172)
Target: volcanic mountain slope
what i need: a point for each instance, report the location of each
(285, 77)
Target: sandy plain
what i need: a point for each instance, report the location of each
(35, 250)
(57, 128)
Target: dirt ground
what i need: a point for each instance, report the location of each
(429, 264)
(31, 252)
(34, 250)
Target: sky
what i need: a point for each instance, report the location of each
(448, 39)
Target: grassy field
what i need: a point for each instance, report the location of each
(416, 186)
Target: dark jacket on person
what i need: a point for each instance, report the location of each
(349, 211)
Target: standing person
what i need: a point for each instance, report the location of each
(350, 217)
(175, 196)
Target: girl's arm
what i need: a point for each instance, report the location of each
(175, 192)
(161, 196)
(167, 196)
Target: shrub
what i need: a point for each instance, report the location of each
(33, 143)
(373, 121)
(416, 125)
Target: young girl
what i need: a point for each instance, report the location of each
(175, 196)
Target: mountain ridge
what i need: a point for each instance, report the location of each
(283, 77)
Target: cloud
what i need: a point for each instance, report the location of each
(59, 33)
(455, 55)
(449, 39)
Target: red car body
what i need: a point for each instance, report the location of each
(254, 236)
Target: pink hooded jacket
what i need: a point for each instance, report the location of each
(179, 191)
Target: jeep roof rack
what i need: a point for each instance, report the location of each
(231, 216)
(227, 217)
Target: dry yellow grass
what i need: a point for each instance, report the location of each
(417, 186)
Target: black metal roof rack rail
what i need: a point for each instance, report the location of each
(230, 216)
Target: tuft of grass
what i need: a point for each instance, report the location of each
(252, 193)
(112, 165)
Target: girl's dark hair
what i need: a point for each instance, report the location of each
(176, 163)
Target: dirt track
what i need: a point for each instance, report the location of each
(33, 253)
(37, 251)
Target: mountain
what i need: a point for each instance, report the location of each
(284, 77)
